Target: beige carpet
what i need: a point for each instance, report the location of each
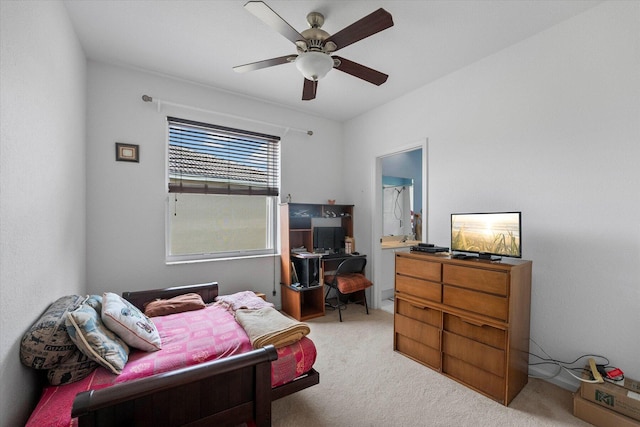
(363, 382)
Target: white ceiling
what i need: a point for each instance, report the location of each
(200, 41)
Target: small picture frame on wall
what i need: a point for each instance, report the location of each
(127, 152)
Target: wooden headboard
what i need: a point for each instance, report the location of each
(208, 292)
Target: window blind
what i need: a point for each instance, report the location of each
(210, 159)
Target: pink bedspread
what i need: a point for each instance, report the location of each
(187, 339)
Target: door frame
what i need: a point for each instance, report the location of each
(377, 207)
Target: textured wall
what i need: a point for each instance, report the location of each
(42, 181)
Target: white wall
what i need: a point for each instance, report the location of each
(42, 182)
(126, 201)
(551, 127)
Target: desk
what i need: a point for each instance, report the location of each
(307, 302)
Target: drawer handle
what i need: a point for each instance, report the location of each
(420, 307)
(471, 322)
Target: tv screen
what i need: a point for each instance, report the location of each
(328, 238)
(487, 234)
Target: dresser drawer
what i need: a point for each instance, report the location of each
(419, 312)
(483, 381)
(485, 357)
(418, 268)
(417, 351)
(476, 331)
(419, 288)
(417, 331)
(493, 282)
(477, 302)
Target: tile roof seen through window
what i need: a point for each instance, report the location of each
(189, 164)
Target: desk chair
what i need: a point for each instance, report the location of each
(348, 280)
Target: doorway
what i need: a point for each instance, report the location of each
(400, 212)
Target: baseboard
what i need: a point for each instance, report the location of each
(562, 380)
(386, 294)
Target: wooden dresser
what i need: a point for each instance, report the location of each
(468, 319)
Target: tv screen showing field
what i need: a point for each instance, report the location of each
(495, 233)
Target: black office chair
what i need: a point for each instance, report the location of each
(348, 281)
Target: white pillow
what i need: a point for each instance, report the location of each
(129, 323)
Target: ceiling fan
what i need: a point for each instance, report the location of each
(315, 46)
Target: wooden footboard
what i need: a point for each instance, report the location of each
(224, 392)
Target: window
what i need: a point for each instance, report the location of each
(224, 186)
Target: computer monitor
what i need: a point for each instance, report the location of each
(328, 238)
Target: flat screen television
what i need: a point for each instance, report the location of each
(330, 239)
(487, 234)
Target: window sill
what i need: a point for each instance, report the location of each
(227, 258)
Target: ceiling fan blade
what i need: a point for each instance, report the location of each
(264, 64)
(272, 19)
(309, 90)
(360, 71)
(365, 27)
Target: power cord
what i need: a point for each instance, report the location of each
(616, 374)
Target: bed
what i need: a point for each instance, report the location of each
(236, 387)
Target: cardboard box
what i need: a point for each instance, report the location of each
(600, 416)
(629, 384)
(614, 397)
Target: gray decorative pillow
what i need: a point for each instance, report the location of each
(95, 340)
(47, 344)
(75, 368)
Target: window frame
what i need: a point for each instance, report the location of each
(271, 213)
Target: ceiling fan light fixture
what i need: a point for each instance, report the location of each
(314, 65)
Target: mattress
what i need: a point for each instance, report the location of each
(187, 339)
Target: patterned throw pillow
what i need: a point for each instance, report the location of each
(47, 344)
(95, 301)
(75, 368)
(95, 340)
(129, 323)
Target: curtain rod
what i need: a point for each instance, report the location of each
(159, 102)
